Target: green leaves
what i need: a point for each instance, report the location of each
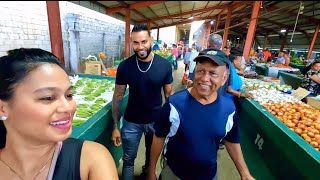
(91, 95)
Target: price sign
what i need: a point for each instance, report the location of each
(300, 93)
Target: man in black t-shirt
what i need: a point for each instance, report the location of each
(146, 74)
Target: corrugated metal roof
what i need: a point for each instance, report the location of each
(273, 16)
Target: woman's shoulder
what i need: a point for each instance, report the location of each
(95, 149)
(97, 160)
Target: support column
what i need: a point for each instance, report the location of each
(54, 21)
(265, 40)
(252, 29)
(127, 39)
(158, 31)
(217, 23)
(284, 41)
(148, 24)
(313, 41)
(243, 43)
(226, 27)
(207, 34)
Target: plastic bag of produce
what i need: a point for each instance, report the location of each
(184, 79)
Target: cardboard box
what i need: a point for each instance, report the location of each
(93, 67)
(312, 101)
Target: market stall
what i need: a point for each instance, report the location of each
(261, 69)
(271, 149)
(165, 54)
(279, 134)
(98, 127)
(289, 78)
(298, 66)
(272, 70)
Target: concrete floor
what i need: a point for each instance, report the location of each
(226, 168)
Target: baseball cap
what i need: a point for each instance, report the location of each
(216, 55)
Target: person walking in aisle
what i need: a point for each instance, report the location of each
(175, 52)
(146, 74)
(194, 121)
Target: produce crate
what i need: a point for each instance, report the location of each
(262, 70)
(271, 149)
(299, 66)
(312, 101)
(99, 127)
(290, 79)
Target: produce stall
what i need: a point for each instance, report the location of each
(298, 66)
(272, 70)
(271, 149)
(165, 54)
(279, 134)
(289, 78)
(95, 122)
(262, 69)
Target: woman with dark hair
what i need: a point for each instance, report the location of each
(235, 82)
(36, 112)
(311, 81)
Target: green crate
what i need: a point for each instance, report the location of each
(290, 79)
(99, 127)
(271, 149)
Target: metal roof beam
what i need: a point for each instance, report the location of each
(133, 6)
(186, 21)
(187, 13)
(135, 11)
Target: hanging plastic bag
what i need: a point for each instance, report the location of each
(185, 78)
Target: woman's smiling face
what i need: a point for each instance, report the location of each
(42, 106)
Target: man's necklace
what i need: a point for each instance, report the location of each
(17, 174)
(147, 68)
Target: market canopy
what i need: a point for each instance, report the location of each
(274, 16)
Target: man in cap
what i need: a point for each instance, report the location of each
(194, 121)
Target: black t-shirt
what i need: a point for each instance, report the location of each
(145, 99)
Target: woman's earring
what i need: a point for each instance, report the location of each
(3, 118)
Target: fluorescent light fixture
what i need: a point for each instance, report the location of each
(190, 17)
(283, 30)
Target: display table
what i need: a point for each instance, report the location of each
(170, 58)
(99, 127)
(271, 149)
(298, 66)
(263, 69)
(290, 79)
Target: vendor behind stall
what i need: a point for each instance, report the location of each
(280, 59)
(311, 81)
(233, 90)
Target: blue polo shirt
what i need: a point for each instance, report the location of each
(194, 132)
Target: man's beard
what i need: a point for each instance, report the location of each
(143, 58)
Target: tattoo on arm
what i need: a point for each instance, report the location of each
(117, 102)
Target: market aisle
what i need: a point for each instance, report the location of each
(226, 168)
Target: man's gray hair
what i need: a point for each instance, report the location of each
(215, 41)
